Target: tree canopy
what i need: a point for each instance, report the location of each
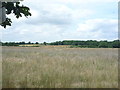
(16, 9)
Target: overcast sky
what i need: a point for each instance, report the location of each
(57, 20)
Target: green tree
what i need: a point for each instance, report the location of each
(29, 42)
(16, 9)
(116, 44)
(103, 44)
(44, 43)
(36, 43)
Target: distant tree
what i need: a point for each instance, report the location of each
(36, 43)
(22, 42)
(44, 43)
(29, 42)
(0, 43)
(81, 44)
(116, 44)
(103, 44)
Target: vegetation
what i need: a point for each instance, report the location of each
(89, 43)
(16, 9)
(57, 67)
(74, 44)
(19, 44)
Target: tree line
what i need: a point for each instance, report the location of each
(16, 43)
(89, 43)
(73, 43)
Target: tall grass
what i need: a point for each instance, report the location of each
(53, 67)
(0, 67)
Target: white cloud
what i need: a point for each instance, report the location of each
(99, 28)
(57, 14)
(96, 29)
(53, 20)
(71, 1)
(100, 24)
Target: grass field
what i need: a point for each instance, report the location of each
(59, 67)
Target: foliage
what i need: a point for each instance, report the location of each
(103, 44)
(36, 43)
(116, 44)
(74, 44)
(44, 43)
(89, 44)
(16, 9)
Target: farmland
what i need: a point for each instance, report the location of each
(59, 67)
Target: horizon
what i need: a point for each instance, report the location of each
(57, 41)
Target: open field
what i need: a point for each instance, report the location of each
(59, 67)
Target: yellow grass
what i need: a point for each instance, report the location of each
(59, 67)
(30, 45)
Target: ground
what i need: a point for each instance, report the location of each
(59, 67)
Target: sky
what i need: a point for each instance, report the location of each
(58, 20)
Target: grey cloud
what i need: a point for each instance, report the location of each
(45, 17)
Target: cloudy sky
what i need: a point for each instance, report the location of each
(57, 20)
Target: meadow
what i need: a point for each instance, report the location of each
(59, 67)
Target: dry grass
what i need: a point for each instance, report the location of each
(53, 67)
(0, 67)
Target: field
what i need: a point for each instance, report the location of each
(59, 67)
